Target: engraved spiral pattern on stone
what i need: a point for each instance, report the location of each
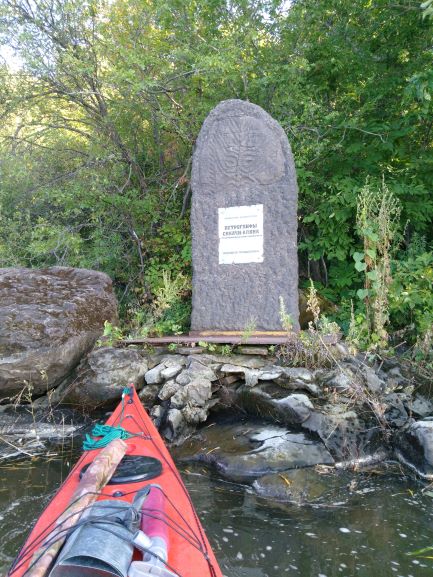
(243, 150)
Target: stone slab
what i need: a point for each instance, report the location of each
(259, 351)
(243, 161)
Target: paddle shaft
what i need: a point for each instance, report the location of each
(93, 481)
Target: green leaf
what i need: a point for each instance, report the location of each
(420, 551)
(358, 256)
(372, 236)
(360, 266)
(362, 294)
(372, 275)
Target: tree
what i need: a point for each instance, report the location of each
(99, 124)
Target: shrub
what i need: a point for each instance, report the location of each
(378, 220)
(411, 295)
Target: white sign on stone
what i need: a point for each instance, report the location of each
(240, 231)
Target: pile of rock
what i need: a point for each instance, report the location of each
(359, 413)
(352, 412)
(185, 396)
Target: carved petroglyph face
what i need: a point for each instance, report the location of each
(243, 150)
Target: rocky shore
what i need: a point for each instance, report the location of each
(254, 416)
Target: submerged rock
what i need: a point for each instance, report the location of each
(243, 453)
(24, 423)
(26, 431)
(415, 448)
(49, 319)
(300, 486)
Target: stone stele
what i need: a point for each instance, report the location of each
(244, 222)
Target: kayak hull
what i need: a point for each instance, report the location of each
(189, 552)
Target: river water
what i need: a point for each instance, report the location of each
(367, 530)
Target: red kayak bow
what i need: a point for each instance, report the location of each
(171, 535)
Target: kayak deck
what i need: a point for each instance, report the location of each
(189, 553)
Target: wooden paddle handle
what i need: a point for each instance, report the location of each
(93, 481)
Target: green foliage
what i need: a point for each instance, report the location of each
(359, 335)
(226, 350)
(169, 312)
(211, 347)
(248, 330)
(285, 318)
(170, 292)
(171, 254)
(421, 553)
(320, 326)
(307, 349)
(175, 320)
(110, 336)
(378, 214)
(411, 294)
(98, 128)
(427, 8)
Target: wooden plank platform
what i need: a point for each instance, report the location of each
(220, 339)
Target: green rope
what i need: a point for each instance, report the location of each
(107, 435)
(107, 432)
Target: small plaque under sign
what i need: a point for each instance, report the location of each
(240, 231)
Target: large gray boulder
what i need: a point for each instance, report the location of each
(100, 378)
(49, 319)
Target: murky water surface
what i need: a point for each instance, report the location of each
(367, 533)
